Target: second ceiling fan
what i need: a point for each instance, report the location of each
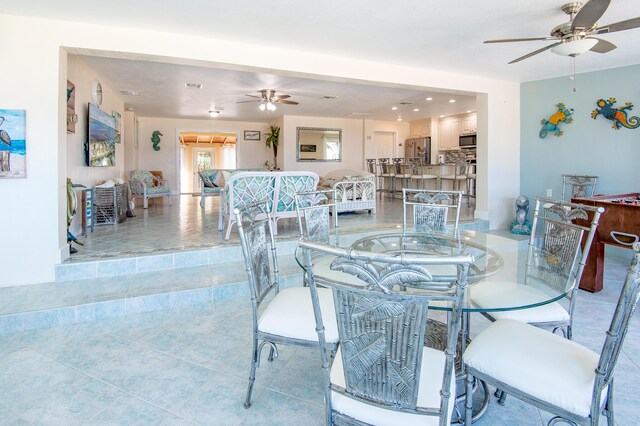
(576, 36)
(268, 99)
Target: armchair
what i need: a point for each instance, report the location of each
(145, 185)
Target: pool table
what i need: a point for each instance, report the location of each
(619, 226)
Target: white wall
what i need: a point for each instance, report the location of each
(36, 81)
(77, 170)
(251, 154)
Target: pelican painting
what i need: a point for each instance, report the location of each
(12, 144)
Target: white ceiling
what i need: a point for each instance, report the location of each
(437, 34)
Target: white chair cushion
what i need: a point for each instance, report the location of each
(493, 294)
(290, 314)
(541, 364)
(431, 374)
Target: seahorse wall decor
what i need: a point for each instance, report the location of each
(155, 138)
(552, 124)
(617, 115)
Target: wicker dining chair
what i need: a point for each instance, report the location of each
(287, 316)
(561, 265)
(554, 374)
(314, 210)
(431, 209)
(580, 186)
(382, 372)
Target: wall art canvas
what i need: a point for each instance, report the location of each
(13, 141)
(72, 117)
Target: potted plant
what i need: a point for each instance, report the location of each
(272, 142)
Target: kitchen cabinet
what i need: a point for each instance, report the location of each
(450, 128)
(469, 124)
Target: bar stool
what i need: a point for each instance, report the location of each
(387, 176)
(418, 174)
(471, 183)
(458, 176)
(371, 166)
(401, 173)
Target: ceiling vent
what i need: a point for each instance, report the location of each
(193, 85)
(358, 114)
(130, 92)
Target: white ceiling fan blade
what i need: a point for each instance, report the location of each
(589, 14)
(629, 24)
(603, 46)
(510, 40)
(535, 52)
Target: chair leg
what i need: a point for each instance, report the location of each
(468, 403)
(252, 373)
(170, 202)
(608, 406)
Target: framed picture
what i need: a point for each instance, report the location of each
(13, 144)
(251, 135)
(72, 117)
(307, 148)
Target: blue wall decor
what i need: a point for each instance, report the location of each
(552, 124)
(617, 115)
(155, 138)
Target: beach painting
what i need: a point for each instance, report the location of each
(13, 144)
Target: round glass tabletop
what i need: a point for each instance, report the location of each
(506, 274)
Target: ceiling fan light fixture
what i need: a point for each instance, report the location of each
(214, 113)
(575, 47)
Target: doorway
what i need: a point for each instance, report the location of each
(201, 151)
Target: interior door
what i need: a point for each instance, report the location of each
(385, 143)
(203, 159)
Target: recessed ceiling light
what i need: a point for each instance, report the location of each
(193, 85)
(468, 110)
(399, 118)
(129, 109)
(442, 116)
(451, 101)
(416, 109)
(394, 108)
(428, 99)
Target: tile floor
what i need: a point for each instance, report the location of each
(189, 365)
(186, 226)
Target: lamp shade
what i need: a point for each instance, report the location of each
(574, 48)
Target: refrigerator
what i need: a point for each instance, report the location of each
(418, 147)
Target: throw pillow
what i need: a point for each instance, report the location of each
(207, 182)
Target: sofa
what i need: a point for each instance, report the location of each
(145, 185)
(279, 188)
(355, 189)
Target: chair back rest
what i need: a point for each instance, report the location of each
(619, 324)
(371, 165)
(558, 231)
(385, 167)
(314, 207)
(143, 176)
(431, 209)
(580, 186)
(397, 164)
(382, 328)
(258, 248)
(289, 184)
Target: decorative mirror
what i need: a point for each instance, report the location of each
(318, 144)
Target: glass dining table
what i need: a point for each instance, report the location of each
(507, 274)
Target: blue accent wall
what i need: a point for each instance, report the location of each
(588, 146)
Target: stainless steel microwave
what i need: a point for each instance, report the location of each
(467, 141)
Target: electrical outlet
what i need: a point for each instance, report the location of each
(549, 192)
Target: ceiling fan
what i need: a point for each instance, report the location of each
(576, 36)
(268, 99)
